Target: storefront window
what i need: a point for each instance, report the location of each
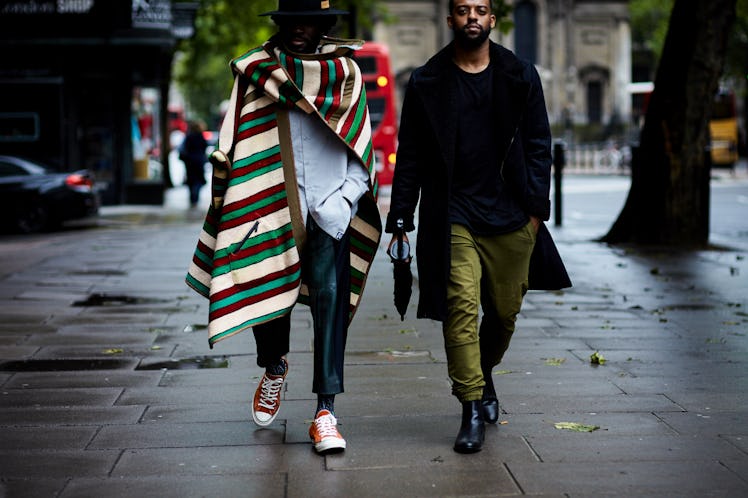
(146, 133)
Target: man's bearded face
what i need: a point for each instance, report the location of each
(471, 22)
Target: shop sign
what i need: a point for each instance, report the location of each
(31, 7)
(74, 6)
(151, 14)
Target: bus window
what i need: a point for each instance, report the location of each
(723, 129)
(374, 60)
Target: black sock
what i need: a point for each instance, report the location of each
(326, 402)
(278, 368)
(489, 392)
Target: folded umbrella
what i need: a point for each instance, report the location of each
(400, 256)
(403, 286)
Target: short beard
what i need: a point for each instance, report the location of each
(466, 41)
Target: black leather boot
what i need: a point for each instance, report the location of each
(489, 402)
(490, 408)
(472, 429)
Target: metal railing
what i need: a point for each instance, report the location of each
(597, 159)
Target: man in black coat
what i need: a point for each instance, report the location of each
(475, 144)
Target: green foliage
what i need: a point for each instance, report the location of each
(649, 23)
(503, 13)
(225, 29)
(736, 64)
(363, 15)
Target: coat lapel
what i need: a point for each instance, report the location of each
(510, 98)
(440, 103)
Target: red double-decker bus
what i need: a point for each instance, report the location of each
(374, 60)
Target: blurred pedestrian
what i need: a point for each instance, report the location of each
(475, 145)
(294, 214)
(192, 152)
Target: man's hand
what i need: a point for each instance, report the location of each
(394, 239)
(535, 223)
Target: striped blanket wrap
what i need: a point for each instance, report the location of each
(247, 260)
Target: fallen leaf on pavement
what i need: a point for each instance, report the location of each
(597, 359)
(576, 427)
(555, 362)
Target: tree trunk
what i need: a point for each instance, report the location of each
(668, 203)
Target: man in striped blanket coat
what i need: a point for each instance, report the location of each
(294, 215)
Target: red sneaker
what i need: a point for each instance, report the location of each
(268, 397)
(324, 433)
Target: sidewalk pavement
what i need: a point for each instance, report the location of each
(108, 387)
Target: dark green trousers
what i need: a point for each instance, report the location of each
(488, 272)
(326, 271)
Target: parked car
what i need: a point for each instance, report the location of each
(35, 197)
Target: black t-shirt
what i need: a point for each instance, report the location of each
(477, 187)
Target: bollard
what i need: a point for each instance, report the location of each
(559, 161)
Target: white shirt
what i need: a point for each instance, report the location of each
(327, 172)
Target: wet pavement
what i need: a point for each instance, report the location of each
(108, 387)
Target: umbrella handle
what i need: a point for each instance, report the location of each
(400, 250)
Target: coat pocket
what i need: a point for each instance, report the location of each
(238, 257)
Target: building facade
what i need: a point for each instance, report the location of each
(84, 84)
(581, 48)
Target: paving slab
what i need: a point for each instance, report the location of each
(55, 463)
(114, 349)
(185, 435)
(64, 297)
(706, 400)
(544, 403)
(427, 481)
(738, 467)
(363, 404)
(707, 422)
(193, 461)
(102, 340)
(55, 397)
(738, 440)
(68, 416)
(12, 352)
(32, 487)
(215, 412)
(183, 395)
(599, 446)
(543, 424)
(265, 485)
(116, 319)
(687, 479)
(202, 377)
(45, 437)
(8, 339)
(692, 383)
(99, 378)
(15, 318)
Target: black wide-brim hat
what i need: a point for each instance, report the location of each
(304, 8)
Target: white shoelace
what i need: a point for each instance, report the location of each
(269, 392)
(326, 426)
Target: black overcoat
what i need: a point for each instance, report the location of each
(426, 157)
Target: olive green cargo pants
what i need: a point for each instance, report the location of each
(488, 272)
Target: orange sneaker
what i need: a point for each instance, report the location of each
(267, 398)
(324, 433)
